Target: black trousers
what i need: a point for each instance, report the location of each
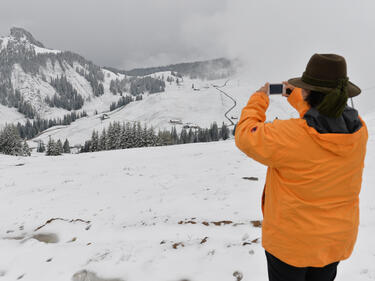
(280, 271)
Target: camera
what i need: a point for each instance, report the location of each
(278, 89)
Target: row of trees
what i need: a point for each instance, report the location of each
(214, 133)
(31, 129)
(67, 97)
(146, 84)
(11, 143)
(121, 136)
(54, 148)
(118, 86)
(121, 102)
(117, 136)
(130, 135)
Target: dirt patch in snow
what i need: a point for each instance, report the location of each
(85, 275)
(46, 237)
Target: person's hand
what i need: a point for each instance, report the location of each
(264, 89)
(287, 86)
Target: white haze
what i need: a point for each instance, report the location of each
(275, 39)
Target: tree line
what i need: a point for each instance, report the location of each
(31, 129)
(121, 102)
(131, 135)
(54, 148)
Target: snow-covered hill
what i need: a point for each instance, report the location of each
(202, 106)
(10, 115)
(173, 213)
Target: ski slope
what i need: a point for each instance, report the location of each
(181, 212)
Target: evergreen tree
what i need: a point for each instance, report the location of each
(26, 149)
(191, 136)
(51, 147)
(174, 135)
(94, 141)
(59, 147)
(111, 138)
(214, 132)
(41, 148)
(10, 141)
(102, 141)
(66, 146)
(224, 132)
(184, 136)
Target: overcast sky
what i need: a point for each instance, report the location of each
(274, 37)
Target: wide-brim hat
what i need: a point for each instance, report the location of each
(324, 73)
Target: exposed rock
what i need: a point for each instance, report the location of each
(46, 237)
(250, 178)
(19, 33)
(175, 245)
(256, 223)
(238, 275)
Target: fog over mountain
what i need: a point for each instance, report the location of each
(274, 38)
(127, 34)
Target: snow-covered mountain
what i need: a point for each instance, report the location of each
(50, 83)
(30, 75)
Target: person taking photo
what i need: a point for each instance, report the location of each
(310, 200)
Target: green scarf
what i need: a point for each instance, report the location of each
(335, 100)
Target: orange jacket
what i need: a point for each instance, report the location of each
(310, 200)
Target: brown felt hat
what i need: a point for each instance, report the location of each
(324, 73)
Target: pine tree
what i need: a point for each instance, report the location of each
(110, 140)
(117, 133)
(66, 146)
(10, 141)
(183, 136)
(102, 141)
(191, 136)
(224, 132)
(41, 148)
(26, 149)
(214, 132)
(94, 141)
(59, 147)
(51, 147)
(174, 135)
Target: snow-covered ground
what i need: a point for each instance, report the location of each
(167, 213)
(10, 115)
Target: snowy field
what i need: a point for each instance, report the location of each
(163, 214)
